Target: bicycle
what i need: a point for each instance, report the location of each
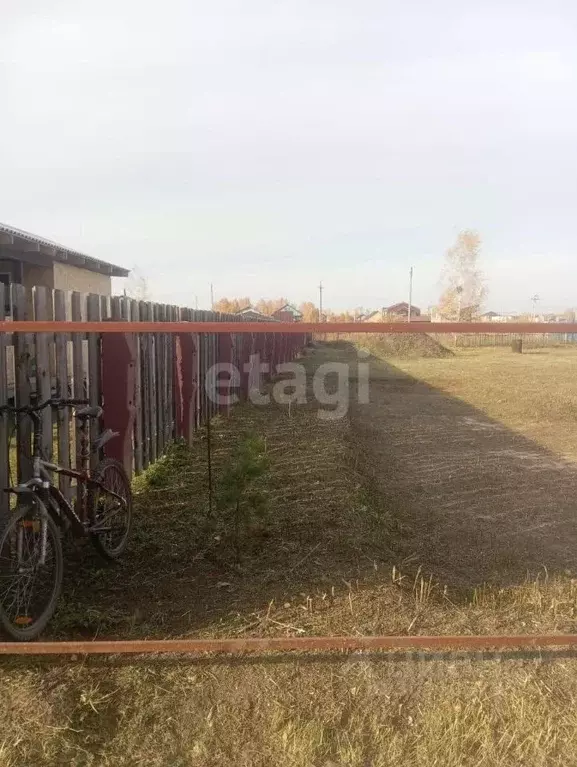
(31, 559)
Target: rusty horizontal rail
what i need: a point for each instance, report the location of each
(288, 644)
(287, 327)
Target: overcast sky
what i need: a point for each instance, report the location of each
(265, 145)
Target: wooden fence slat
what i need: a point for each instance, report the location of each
(200, 398)
(42, 301)
(159, 366)
(162, 385)
(165, 415)
(78, 304)
(143, 342)
(62, 383)
(105, 307)
(4, 419)
(23, 347)
(170, 352)
(213, 360)
(152, 368)
(167, 380)
(93, 312)
(203, 338)
(133, 312)
(116, 308)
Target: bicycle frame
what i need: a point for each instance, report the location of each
(41, 484)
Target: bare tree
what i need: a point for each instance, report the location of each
(136, 285)
(463, 284)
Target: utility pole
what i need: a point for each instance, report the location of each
(534, 299)
(211, 296)
(320, 301)
(410, 294)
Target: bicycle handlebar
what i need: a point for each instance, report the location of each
(54, 401)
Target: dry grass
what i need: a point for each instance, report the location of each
(328, 559)
(533, 393)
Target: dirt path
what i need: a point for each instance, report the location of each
(475, 501)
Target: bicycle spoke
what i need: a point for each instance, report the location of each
(28, 581)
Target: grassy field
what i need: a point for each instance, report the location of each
(533, 393)
(333, 553)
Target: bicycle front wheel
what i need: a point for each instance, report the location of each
(110, 509)
(30, 570)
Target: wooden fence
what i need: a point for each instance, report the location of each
(158, 389)
(535, 340)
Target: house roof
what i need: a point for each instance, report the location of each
(403, 305)
(289, 308)
(248, 311)
(19, 240)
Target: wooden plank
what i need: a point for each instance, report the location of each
(119, 310)
(42, 302)
(152, 387)
(158, 409)
(154, 309)
(199, 401)
(204, 368)
(170, 353)
(193, 315)
(4, 419)
(168, 418)
(23, 349)
(213, 408)
(105, 307)
(93, 310)
(201, 373)
(133, 311)
(63, 415)
(161, 391)
(78, 307)
(145, 386)
(116, 308)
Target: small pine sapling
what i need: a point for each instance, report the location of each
(238, 494)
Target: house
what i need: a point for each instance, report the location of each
(376, 316)
(396, 313)
(402, 310)
(287, 313)
(31, 260)
(252, 315)
(496, 317)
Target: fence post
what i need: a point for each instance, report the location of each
(119, 393)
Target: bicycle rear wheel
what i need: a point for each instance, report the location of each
(30, 570)
(110, 508)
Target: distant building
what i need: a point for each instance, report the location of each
(497, 317)
(30, 260)
(402, 310)
(395, 313)
(288, 313)
(253, 315)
